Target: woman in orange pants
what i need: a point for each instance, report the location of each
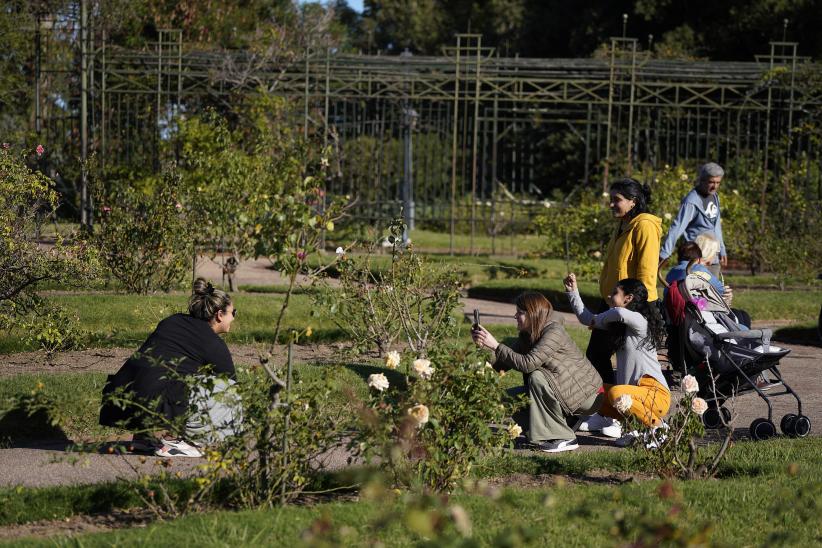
(639, 330)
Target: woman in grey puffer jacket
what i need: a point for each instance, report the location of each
(559, 380)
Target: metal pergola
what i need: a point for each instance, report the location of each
(457, 139)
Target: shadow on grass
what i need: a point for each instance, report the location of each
(19, 428)
(508, 294)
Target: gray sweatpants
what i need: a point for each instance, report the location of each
(219, 411)
(543, 419)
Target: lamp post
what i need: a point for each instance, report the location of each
(409, 123)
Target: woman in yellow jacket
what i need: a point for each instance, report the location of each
(632, 252)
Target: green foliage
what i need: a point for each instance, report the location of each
(53, 329)
(27, 201)
(283, 438)
(145, 237)
(411, 299)
(431, 430)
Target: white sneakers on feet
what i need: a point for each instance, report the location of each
(613, 430)
(595, 423)
(558, 446)
(178, 448)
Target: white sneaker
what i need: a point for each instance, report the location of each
(594, 423)
(178, 448)
(557, 446)
(628, 439)
(613, 430)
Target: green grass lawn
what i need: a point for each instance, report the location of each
(126, 320)
(768, 494)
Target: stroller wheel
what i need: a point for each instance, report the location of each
(712, 419)
(762, 429)
(801, 426)
(787, 424)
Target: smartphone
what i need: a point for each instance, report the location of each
(476, 319)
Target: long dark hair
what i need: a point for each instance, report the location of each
(537, 313)
(633, 190)
(656, 325)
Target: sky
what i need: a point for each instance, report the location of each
(356, 5)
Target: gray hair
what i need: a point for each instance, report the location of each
(206, 300)
(711, 169)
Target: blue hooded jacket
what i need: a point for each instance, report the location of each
(693, 221)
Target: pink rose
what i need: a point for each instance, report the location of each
(40, 150)
(301, 255)
(179, 206)
(106, 209)
(6, 146)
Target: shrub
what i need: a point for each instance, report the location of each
(412, 299)
(429, 431)
(52, 329)
(28, 201)
(145, 237)
(282, 441)
(672, 451)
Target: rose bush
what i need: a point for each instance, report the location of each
(428, 431)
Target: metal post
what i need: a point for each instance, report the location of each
(159, 95)
(305, 96)
(37, 55)
(610, 112)
(494, 179)
(631, 108)
(587, 145)
(474, 147)
(103, 103)
(408, 214)
(454, 148)
(762, 201)
(85, 206)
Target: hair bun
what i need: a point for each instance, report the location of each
(201, 287)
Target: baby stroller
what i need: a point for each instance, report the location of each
(725, 358)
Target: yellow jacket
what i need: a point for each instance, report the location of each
(633, 253)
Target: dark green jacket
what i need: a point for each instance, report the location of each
(572, 377)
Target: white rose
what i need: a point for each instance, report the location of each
(668, 216)
(546, 203)
(419, 413)
(378, 382)
(597, 254)
(392, 359)
(699, 406)
(340, 251)
(514, 431)
(689, 384)
(606, 195)
(623, 403)
(683, 177)
(423, 368)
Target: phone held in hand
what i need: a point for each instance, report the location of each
(476, 319)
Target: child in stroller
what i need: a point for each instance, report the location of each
(726, 358)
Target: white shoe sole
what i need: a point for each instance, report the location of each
(571, 447)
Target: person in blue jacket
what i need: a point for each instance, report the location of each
(699, 212)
